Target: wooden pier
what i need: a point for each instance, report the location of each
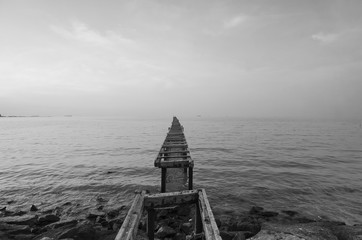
(175, 162)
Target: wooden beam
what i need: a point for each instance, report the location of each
(211, 230)
(175, 139)
(174, 142)
(174, 146)
(174, 156)
(172, 152)
(175, 134)
(191, 177)
(151, 217)
(129, 227)
(176, 163)
(163, 179)
(161, 200)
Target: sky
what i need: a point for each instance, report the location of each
(159, 58)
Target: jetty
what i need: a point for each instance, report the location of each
(176, 191)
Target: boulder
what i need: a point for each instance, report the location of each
(48, 219)
(33, 208)
(165, 231)
(187, 228)
(299, 231)
(348, 232)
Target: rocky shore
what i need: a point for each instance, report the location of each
(174, 223)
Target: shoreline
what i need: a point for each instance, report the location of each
(104, 223)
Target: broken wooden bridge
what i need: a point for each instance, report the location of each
(176, 165)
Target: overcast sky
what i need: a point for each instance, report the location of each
(154, 58)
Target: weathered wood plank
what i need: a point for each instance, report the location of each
(129, 227)
(170, 199)
(174, 146)
(151, 217)
(210, 228)
(176, 163)
(174, 156)
(171, 152)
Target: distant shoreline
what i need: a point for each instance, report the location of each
(12, 116)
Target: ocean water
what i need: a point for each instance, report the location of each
(313, 167)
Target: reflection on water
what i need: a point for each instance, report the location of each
(308, 166)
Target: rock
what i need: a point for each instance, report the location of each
(83, 232)
(106, 235)
(14, 229)
(115, 224)
(48, 219)
(19, 213)
(239, 236)
(255, 210)
(4, 236)
(273, 231)
(348, 232)
(56, 225)
(269, 214)
(251, 226)
(162, 214)
(187, 228)
(23, 237)
(183, 211)
(179, 236)
(227, 235)
(165, 231)
(95, 214)
(10, 202)
(33, 208)
(2, 209)
(20, 220)
(112, 213)
(290, 213)
(269, 235)
(100, 199)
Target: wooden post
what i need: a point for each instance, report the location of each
(151, 223)
(191, 178)
(198, 220)
(163, 180)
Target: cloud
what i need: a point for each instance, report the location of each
(325, 37)
(81, 32)
(234, 22)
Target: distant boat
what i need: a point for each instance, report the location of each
(67, 115)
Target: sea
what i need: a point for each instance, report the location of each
(313, 167)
